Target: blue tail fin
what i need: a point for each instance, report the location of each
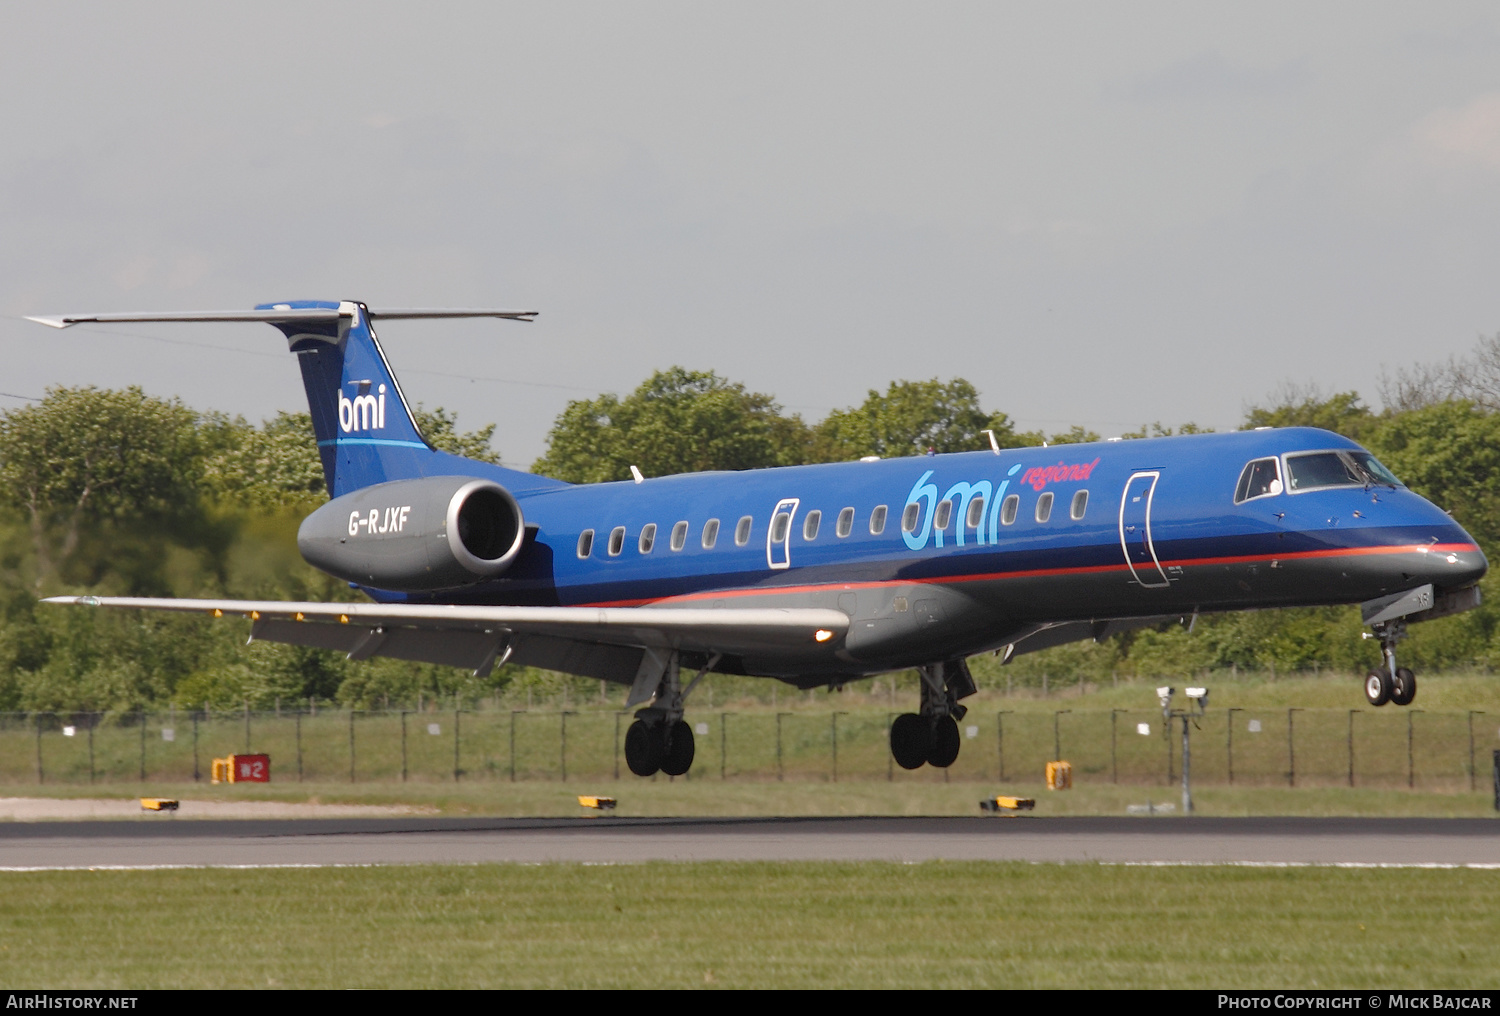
(365, 429)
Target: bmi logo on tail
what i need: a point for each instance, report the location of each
(364, 411)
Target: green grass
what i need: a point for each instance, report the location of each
(866, 925)
(763, 798)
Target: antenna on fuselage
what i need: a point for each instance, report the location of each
(994, 445)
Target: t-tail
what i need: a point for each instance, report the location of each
(364, 426)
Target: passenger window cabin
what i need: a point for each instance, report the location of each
(742, 531)
(845, 524)
(810, 525)
(710, 534)
(942, 516)
(976, 513)
(1044, 506)
(585, 543)
(616, 541)
(877, 520)
(648, 537)
(1008, 509)
(910, 516)
(1079, 506)
(679, 535)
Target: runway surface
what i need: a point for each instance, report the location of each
(162, 841)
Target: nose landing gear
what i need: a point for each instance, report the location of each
(931, 736)
(1390, 683)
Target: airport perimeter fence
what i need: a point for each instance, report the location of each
(1392, 748)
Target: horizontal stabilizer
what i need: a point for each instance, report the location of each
(273, 316)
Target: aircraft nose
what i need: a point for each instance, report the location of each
(1454, 566)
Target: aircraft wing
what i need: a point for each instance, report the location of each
(603, 642)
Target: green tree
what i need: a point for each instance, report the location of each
(1450, 454)
(1343, 412)
(910, 418)
(273, 466)
(440, 428)
(677, 421)
(85, 455)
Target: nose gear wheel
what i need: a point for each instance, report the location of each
(1377, 687)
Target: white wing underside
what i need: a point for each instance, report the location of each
(604, 642)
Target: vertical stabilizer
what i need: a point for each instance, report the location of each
(365, 429)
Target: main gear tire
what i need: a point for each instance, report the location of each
(1378, 687)
(678, 757)
(1404, 687)
(945, 742)
(644, 750)
(911, 741)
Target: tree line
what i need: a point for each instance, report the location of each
(117, 492)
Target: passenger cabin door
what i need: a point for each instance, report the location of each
(1135, 530)
(779, 535)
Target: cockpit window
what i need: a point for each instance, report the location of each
(1260, 478)
(1375, 468)
(1313, 470)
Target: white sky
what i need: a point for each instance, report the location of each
(1098, 213)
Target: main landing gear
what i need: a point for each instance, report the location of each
(660, 740)
(1390, 683)
(931, 736)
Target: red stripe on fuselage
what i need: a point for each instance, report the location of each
(1028, 573)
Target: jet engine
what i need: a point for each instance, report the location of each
(436, 532)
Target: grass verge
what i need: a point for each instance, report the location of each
(865, 925)
(712, 798)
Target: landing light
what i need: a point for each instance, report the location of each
(822, 634)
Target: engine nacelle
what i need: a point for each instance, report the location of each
(434, 533)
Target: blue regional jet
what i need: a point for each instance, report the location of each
(820, 575)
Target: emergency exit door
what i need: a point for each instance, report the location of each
(1135, 530)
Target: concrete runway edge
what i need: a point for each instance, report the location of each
(165, 842)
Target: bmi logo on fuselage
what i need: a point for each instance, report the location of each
(363, 412)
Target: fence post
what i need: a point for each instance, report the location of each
(780, 769)
(457, 740)
(351, 744)
(723, 745)
(890, 759)
(1229, 741)
(403, 746)
(1166, 733)
(143, 745)
(1472, 777)
(1057, 734)
(513, 748)
(1411, 761)
(1000, 739)
(1114, 764)
(1351, 745)
(1291, 749)
(834, 721)
(247, 727)
(299, 746)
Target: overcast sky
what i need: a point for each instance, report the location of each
(1097, 213)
